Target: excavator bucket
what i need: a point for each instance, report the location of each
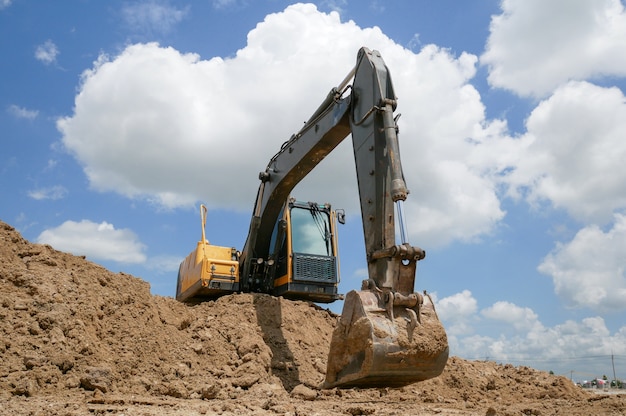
(377, 345)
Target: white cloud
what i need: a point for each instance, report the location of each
(21, 112)
(535, 46)
(574, 152)
(459, 304)
(589, 270)
(47, 52)
(222, 4)
(451, 154)
(96, 241)
(158, 124)
(573, 345)
(509, 313)
(152, 16)
(52, 163)
(4, 3)
(335, 5)
(53, 193)
(458, 311)
(562, 348)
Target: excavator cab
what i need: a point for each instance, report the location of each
(304, 262)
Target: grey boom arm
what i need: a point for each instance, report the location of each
(367, 113)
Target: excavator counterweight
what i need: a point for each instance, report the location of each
(387, 335)
(209, 271)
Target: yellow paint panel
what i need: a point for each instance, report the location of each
(206, 263)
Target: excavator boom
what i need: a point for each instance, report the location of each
(387, 335)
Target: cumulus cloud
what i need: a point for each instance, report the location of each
(52, 193)
(336, 5)
(589, 270)
(158, 124)
(573, 152)
(222, 4)
(520, 318)
(563, 347)
(452, 155)
(97, 241)
(152, 16)
(21, 112)
(566, 346)
(47, 52)
(459, 304)
(458, 311)
(535, 46)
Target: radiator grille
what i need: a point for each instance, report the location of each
(314, 268)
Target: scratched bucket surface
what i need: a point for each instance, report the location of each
(368, 349)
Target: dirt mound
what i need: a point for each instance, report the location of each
(69, 323)
(74, 332)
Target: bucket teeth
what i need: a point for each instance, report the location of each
(412, 323)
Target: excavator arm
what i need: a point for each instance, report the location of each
(387, 334)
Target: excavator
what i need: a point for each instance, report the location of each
(388, 335)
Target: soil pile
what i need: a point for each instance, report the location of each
(76, 338)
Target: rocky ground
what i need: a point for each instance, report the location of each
(77, 339)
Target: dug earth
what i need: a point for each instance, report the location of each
(77, 339)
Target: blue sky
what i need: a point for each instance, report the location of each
(119, 118)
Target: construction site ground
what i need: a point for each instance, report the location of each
(78, 339)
